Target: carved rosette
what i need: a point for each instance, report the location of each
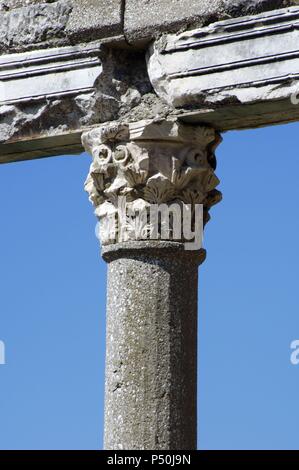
(144, 164)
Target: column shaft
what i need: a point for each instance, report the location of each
(151, 346)
(147, 181)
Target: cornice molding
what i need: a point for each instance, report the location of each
(49, 73)
(241, 62)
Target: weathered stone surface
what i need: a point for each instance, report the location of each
(47, 24)
(95, 19)
(145, 19)
(6, 5)
(35, 24)
(248, 66)
(150, 400)
(28, 24)
(71, 89)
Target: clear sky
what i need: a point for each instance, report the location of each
(52, 302)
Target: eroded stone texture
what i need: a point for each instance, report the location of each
(30, 24)
(95, 19)
(119, 91)
(6, 5)
(145, 19)
(34, 24)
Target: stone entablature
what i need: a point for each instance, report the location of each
(238, 73)
(48, 23)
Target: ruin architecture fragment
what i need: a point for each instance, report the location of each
(146, 87)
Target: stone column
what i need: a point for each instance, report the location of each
(150, 394)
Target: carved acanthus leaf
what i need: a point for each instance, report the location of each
(155, 162)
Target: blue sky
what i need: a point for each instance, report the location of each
(52, 302)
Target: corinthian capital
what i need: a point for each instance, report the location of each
(149, 163)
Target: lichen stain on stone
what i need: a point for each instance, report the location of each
(33, 24)
(6, 5)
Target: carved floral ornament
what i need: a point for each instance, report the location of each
(150, 162)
